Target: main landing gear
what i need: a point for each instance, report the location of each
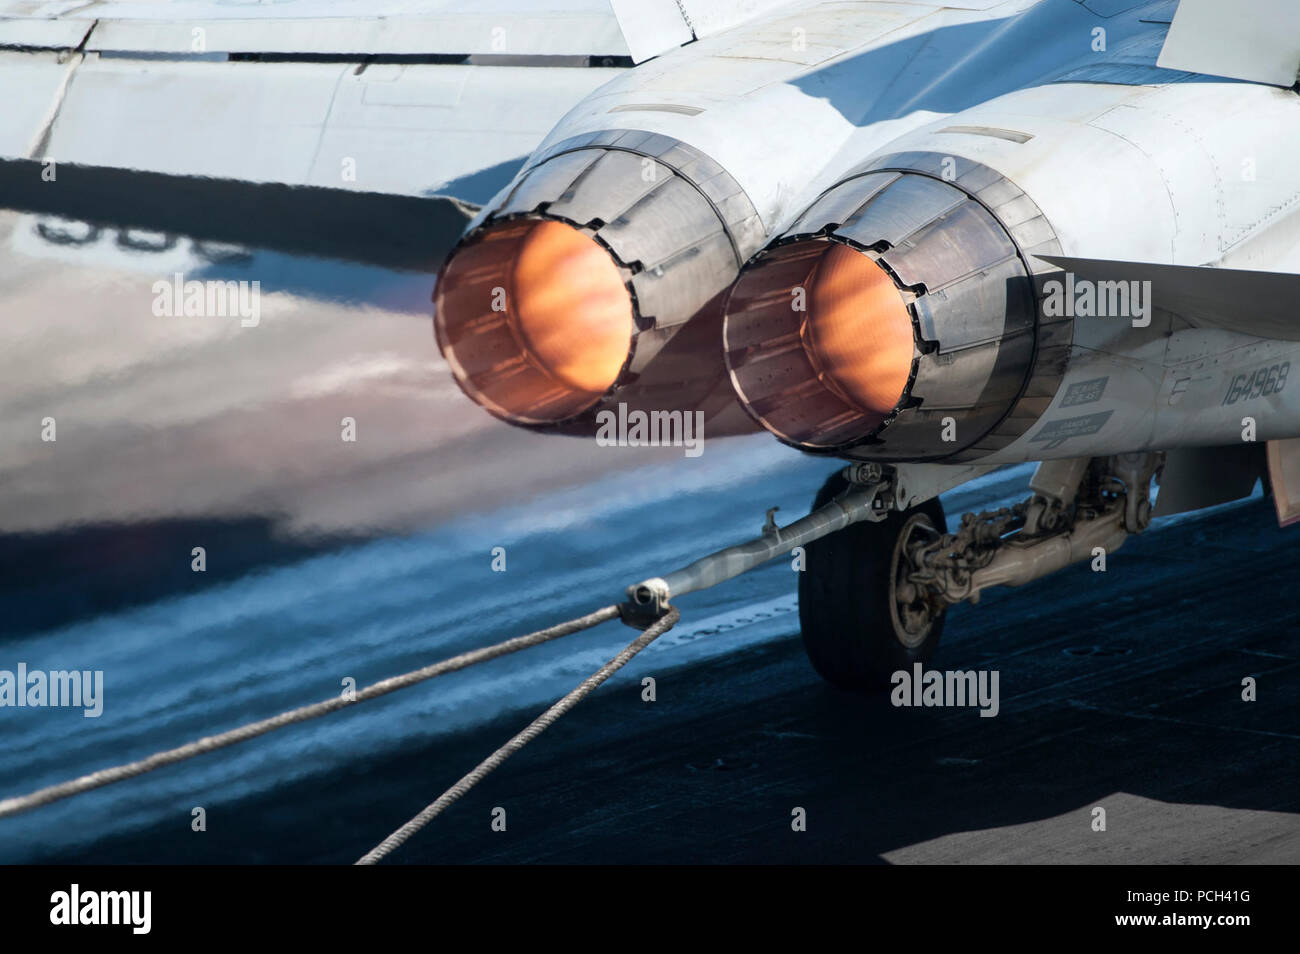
(862, 619)
(873, 595)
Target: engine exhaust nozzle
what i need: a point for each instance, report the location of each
(592, 279)
(820, 344)
(534, 319)
(895, 320)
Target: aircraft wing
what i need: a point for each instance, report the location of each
(368, 129)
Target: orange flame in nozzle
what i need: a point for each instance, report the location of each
(858, 332)
(819, 342)
(534, 319)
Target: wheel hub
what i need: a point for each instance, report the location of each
(912, 611)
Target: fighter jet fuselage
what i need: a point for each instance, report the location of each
(882, 226)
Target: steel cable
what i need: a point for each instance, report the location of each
(118, 773)
(534, 729)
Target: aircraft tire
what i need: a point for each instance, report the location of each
(855, 631)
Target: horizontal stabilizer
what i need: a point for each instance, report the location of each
(651, 27)
(1258, 41)
(405, 233)
(1263, 304)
